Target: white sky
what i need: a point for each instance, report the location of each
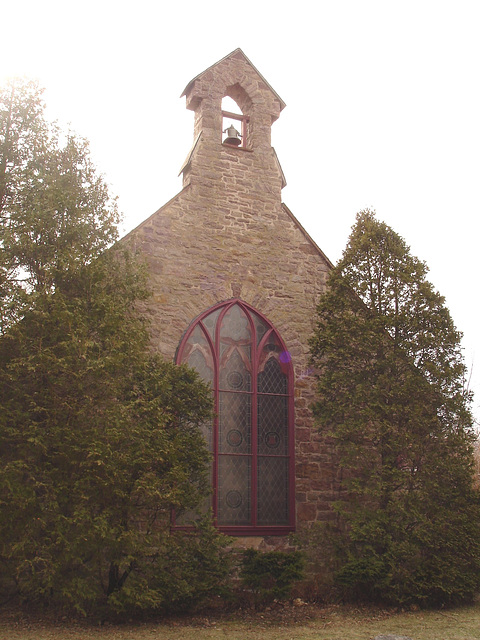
(383, 110)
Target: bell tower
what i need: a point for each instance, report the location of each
(232, 152)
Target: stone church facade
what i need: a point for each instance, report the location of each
(235, 282)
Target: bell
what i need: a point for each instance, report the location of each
(233, 136)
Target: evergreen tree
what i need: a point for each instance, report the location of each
(99, 438)
(391, 395)
(56, 214)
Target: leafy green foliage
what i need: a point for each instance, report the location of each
(391, 395)
(183, 574)
(56, 214)
(99, 441)
(99, 438)
(271, 574)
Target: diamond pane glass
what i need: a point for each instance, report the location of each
(271, 379)
(235, 422)
(235, 325)
(272, 491)
(198, 355)
(234, 490)
(210, 323)
(272, 418)
(261, 327)
(235, 374)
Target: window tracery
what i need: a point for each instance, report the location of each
(240, 354)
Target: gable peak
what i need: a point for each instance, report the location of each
(237, 55)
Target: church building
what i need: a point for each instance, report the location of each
(235, 281)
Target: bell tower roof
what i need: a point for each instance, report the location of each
(240, 70)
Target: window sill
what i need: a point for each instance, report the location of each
(234, 146)
(257, 531)
(245, 531)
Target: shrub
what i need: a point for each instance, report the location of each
(191, 568)
(270, 575)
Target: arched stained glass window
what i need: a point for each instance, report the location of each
(240, 354)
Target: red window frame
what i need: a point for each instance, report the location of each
(257, 346)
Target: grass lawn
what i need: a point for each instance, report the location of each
(294, 623)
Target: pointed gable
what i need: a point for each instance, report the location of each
(239, 70)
